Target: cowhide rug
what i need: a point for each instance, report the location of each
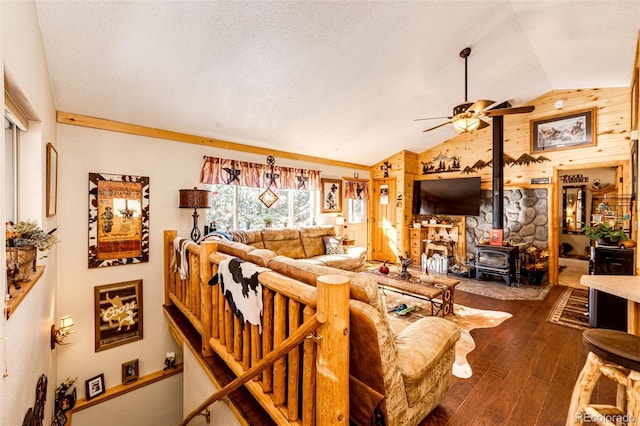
(465, 317)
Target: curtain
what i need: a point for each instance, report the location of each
(220, 171)
(356, 190)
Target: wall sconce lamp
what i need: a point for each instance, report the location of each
(58, 334)
(195, 199)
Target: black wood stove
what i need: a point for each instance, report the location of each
(497, 260)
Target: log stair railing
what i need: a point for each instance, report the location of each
(297, 380)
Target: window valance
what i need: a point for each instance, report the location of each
(356, 190)
(220, 171)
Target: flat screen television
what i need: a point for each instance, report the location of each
(455, 197)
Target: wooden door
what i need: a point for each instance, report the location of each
(385, 234)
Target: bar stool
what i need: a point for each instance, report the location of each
(437, 246)
(616, 355)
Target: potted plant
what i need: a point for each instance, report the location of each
(606, 233)
(23, 240)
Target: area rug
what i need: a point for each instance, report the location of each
(571, 309)
(465, 317)
(499, 290)
(496, 289)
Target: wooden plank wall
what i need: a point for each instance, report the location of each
(612, 147)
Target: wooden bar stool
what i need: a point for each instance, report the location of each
(616, 355)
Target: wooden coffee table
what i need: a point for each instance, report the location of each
(442, 287)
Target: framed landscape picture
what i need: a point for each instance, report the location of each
(563, 131)
(331, 193)
(118, 219)
(118, 314)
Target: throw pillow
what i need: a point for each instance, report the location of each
(333, 245)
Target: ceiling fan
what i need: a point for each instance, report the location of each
(466, 116)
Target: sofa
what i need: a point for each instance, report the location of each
(317, 245)
(395, 379)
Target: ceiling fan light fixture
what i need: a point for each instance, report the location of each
(466, 123)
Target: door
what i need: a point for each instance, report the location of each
(385, 234)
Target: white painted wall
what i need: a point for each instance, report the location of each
(156, 404)
(200, 388)
(24, 349)
(170, 166)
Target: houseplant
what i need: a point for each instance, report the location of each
(606, 233)
(23, 241)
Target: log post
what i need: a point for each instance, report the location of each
(332, 362)
(206, 307)
(169, 236)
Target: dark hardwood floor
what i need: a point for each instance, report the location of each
(523, 370)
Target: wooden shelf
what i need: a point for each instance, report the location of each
(119, 390)
(18, 295)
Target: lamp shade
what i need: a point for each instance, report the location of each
(195, 198)
(66, 322)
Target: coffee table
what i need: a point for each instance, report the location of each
(442, 287)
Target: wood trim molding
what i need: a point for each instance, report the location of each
(17, 296)
(120, 390)
(134, 129)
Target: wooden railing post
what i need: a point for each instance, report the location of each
(169, 236)
(206, 248)
(332, 378)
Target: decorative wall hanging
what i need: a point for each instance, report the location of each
(477, 166)
(564, 131)
(577, 178)
(118, 219)
(385, 168)
(52, 180)
(118, 314)
(268, 197)
(331, 195)
(441, 164)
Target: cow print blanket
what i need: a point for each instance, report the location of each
(240, 286)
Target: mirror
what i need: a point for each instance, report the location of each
(574, 213)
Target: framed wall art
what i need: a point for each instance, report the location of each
(118, 314)
(95, 386)
(118, 219)
(130, 372)
(331, 193)
(52, 180)
(564, 131)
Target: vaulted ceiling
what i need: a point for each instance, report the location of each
(335, 79)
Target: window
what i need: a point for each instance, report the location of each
(355, 210)
(238, 207)
(11, 134)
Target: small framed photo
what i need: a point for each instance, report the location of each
(564, 131)
(95, 386)
(130, 372)
(331, 195)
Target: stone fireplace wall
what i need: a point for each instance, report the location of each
(526, 218)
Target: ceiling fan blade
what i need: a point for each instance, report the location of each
(506, 111)
(479, 105)
(482, 125)
(432, 118)
(435, 127)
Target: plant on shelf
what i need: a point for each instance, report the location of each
(23, 240)
(606, 233)
(29, 234)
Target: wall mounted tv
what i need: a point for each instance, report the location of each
(455, 197)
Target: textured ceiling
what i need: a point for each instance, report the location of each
(340, 80)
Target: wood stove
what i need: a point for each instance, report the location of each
(497, 260)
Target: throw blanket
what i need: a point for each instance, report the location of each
(240, 286)
(180, 262)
